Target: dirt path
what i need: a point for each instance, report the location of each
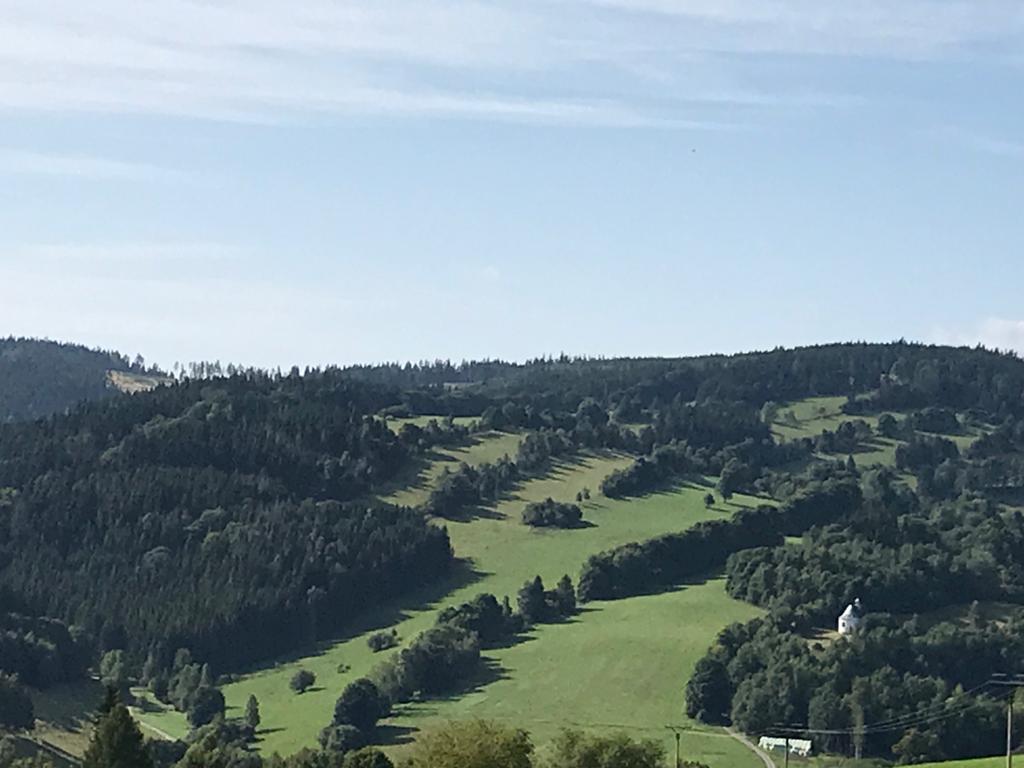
(765, 757)
(162, 734)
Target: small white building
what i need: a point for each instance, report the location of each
(850, 619)
(800, 747)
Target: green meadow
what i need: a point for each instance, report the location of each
(980, 762)
(620, 664)
(482, 448)
(807, 418)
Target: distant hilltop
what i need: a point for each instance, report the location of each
(39, 377)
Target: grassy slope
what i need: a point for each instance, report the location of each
(818, 413)
(482, 448)
(980, 762)
(620, 665)
(623, 662)
(63, 713)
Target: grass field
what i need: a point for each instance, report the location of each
(482, 448)
(622, 662)
(63, 713)
(620, 665)
(979, 762)
(817, 413)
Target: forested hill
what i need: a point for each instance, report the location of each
(235, 517)
(233, 505)
(38, 377)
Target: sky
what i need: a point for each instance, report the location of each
(336, 181)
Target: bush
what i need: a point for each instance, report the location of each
(573, 749)
(381, 641)
(339, 739)
(302, 680)
(552, 514)
(473, 744)
(367, 757)
(360, 705)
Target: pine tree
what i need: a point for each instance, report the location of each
(150, 669)
(206, 677)
(111, 698)
(252, 712)
(531, 601)
(116, 741)
(566, 596)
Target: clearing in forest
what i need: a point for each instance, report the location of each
(645, 646)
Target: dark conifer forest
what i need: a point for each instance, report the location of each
(38, 378)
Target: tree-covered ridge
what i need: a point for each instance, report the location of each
(901, 375)
(38, 378)
(231, 505)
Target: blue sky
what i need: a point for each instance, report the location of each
(328, 181)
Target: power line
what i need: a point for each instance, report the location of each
(920, 717)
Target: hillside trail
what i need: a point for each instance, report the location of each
(765, 757)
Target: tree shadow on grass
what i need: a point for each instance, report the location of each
(508, 642)
(473, 512)
(148, 706)
(674, 586)
(393, 735)
(429, 597)
(490, 671)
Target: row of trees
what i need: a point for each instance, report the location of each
(660, 562)
(442, 658)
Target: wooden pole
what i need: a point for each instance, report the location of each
(1009, 732)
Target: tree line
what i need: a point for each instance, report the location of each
(667, 560)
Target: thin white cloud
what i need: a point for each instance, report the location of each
(115, 254)
(993, 332)
(536, 60)
(904, 29)
(978, 142)
(20, 161)
(1000, 147)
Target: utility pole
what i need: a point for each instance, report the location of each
(787, 750)
(1013, 681)
(678, 731)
